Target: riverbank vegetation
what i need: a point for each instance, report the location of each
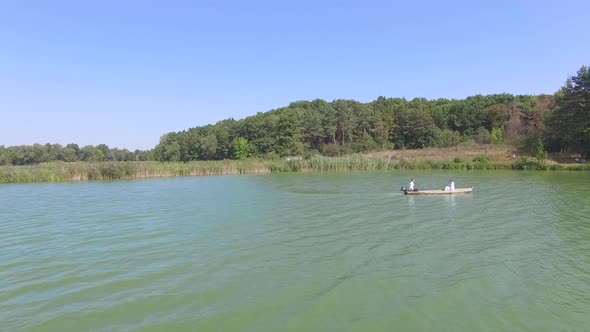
(84, 171)
(545, 128)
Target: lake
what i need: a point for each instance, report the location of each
(298, 252)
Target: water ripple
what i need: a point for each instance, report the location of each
(299, 252)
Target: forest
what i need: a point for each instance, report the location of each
(536, 124)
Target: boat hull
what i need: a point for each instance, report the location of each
(440, 192)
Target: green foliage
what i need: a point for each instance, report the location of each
(541, 153)
(498, 114)
(482, 136)
(172, 152)
(468, 115)
(109, 171)
(568, 125)
(37, 153)
(330, 150)
(272, 156)
(365, 143)
(4, 159)
(447, 138)
(80, 171)
(209, 146)
(341, 127)
(416, 129)
(497, 135)
(523, 163)
(243, 149)
(583, 141)
(482, 159)
(529, 144)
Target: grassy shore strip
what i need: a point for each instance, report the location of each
(84, 171)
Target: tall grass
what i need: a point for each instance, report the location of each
(84, 171)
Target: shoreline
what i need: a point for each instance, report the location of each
(91, 171)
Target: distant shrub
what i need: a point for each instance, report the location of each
(497, 135)
(457, 160)
(110, 172)
(482, 136)
(540, 151)
(310, 153)
(243, 149)
(447, 138)
(523, 163)
(556, 167)
(272, 156)
(482, 159)
(578, 167)
(364, 143)
(330, 150)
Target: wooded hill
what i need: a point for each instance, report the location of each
(559, 122)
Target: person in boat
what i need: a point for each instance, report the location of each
(412, 186)
(451, 185)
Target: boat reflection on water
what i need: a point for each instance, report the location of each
(450, 199)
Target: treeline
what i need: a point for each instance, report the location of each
(567, 127)
(559, 122)
(37, 153)
(345, 126)
(538, 124)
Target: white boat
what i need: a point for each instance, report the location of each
(439, 192)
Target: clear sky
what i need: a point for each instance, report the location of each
(125, 72)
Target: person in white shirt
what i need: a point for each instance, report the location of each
(450, 186)
(411, 186)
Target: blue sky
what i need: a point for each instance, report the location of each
(123, 73)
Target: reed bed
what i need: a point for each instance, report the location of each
(87, 171)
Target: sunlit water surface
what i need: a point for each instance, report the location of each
(298, 252)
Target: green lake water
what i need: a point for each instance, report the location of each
(298, 252)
